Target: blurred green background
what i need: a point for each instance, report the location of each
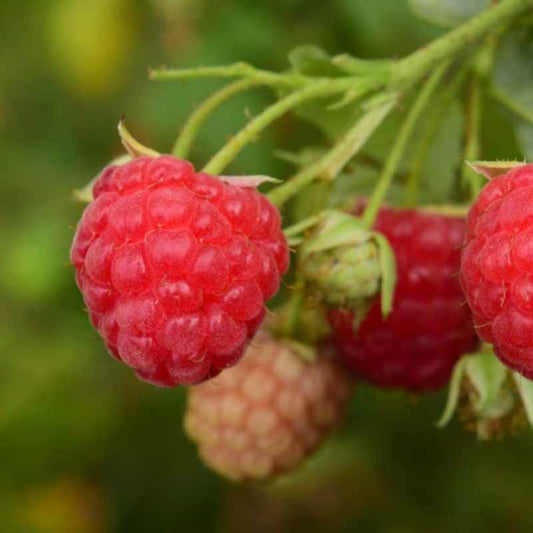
(84, 446)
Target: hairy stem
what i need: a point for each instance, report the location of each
(472, 136)
(414, 66)
(334, 161)
(295, 303)
(235, 70)
(422, 150)
(196, 120)
(398, 148)
(303, 225)
(321, 89)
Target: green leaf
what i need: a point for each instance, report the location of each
(438, 169)
(311, 60)
(524, 133)
(513, 71)
(334, 115)
(387, 261)
(332, 120)
(447, 13)
(512, 84)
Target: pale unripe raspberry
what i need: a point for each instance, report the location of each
(267, 414)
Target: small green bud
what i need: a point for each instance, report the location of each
(349, 264)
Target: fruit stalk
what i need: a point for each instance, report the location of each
(317, 90)
(235, 70)
(472, 135)
(398, 148)
(332, 163)
(190, 130)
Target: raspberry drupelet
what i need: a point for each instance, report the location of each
(175, 267)
(497, 266)
(263, 417)
(429, 327)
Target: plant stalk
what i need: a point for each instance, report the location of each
(334, 161)
(317, 90)
(190, 130)
(407, 71)
(400, 144)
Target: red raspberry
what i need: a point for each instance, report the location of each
(265, 415)
(429, 328)
(497, 266)
(175, 267)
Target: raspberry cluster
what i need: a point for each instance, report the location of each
(265, 415)
(429, 328)
(497, 266)
(175, 267)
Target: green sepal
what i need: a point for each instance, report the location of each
(387, 261)
(339, 229)
(360, 312)
(454, 392)
(85, 194)
(491, 169)
(491, 398)
(132, 145)
(488, 375)
(525, 390)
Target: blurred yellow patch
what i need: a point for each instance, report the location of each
(65, 506)
(89, 43)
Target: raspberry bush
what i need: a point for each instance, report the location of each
(176, 265)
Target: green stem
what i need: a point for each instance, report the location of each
(472, 136)
(422, 150)
(407, 71)
(303, 225)
(235, 70)
(317, 90)
(333, 162)
(399, 146)
(196, 120)
(294, 304)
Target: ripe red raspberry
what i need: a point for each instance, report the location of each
(429, 327)
(175, 266)
(265, 415)
(497, 266)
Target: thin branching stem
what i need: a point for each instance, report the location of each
(400, 144)
(199, 116)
